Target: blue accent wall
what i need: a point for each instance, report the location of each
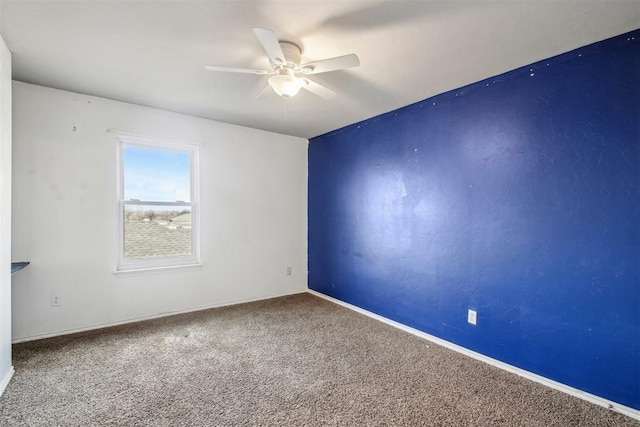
(517, 196)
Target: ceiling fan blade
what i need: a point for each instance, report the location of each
(332, 64)
(317, 89)
(235, 70)
(271, 45)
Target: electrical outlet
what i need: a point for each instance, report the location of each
(472, 317)
(289, 270)
(55, 300)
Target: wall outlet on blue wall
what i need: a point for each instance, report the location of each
(472, 317)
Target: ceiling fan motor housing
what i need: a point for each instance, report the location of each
(292, 56)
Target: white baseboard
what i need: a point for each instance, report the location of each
(5, 380)
(630, 412)
(155, 316)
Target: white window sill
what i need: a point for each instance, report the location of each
(156, 270)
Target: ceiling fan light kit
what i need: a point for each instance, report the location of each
(285, 83)
(285, 59)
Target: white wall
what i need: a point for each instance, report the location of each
(6, 370)
(253, 214)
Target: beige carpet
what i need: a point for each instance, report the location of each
(297, 360)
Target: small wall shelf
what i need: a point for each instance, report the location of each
(17, 266)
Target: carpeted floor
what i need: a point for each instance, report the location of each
(291, 361)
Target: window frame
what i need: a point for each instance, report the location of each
(124, 264)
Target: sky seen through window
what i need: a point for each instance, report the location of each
(156, 175)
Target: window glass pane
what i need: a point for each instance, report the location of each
(156, 175)
(156, 231)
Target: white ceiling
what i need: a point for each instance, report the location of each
(153, 52)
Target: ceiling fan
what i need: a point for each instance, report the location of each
(288, 74)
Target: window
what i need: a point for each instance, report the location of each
(157, 204)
